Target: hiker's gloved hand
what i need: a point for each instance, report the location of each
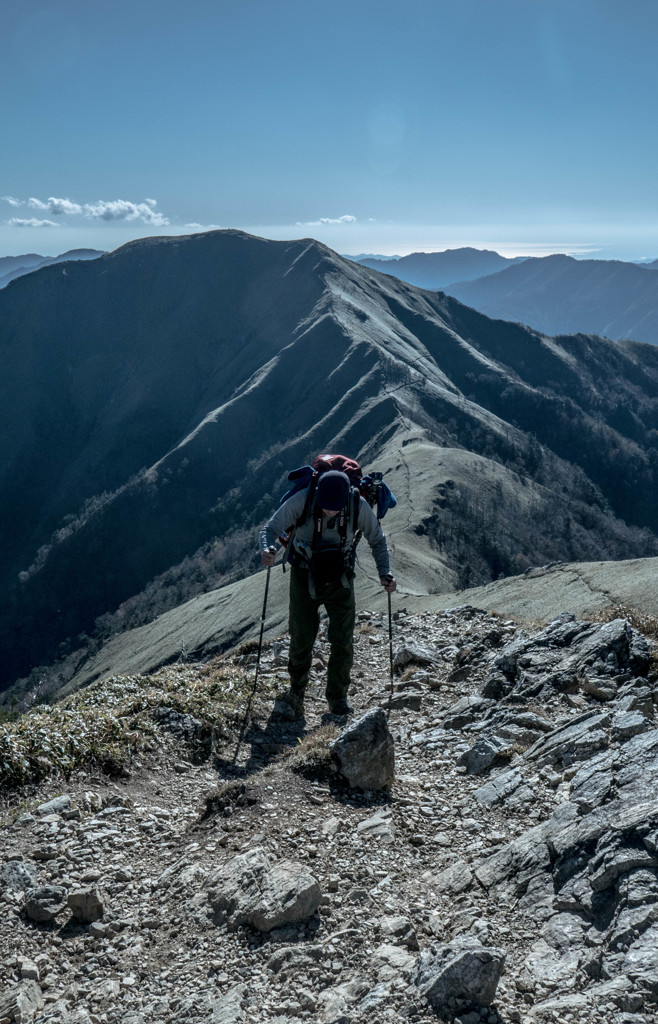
(388, 583)
(267, 557)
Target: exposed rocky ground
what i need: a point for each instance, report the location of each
(520, 835)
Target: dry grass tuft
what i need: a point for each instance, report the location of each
(229, 795)
(642, 621)
(312, 757)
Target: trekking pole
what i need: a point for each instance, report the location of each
(390, 652)
(260, 648)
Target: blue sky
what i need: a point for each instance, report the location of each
(374, 125)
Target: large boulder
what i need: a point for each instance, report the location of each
(252, 889)
(44, 902)
(86, 905)
(463, 971)
(365, 752)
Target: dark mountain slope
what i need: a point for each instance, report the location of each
(439, 269)
(156, 398)
(109, 364)
(561, 295)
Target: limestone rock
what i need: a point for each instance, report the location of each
(86, 905)
(292, 959)
(485, 753)
(400, 928)
(577, 740)
(228, 1008)
(391, 961)
(413, 654)
(44, 902)
(523, 857)
(17, 875)
(454, 879)
(19, 1004)
(379, 825)
(55, 806)
(465, 711)
(565, 654)
(365, 752)
(28, 969)
(402, 702)
(626, 724)
(498, 789)
(463, 969)
(251, 889)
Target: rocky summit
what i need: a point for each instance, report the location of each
(166, 858)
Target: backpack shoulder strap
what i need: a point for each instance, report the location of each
(308, 504)
(356, 508)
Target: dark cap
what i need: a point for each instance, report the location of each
(333, 490)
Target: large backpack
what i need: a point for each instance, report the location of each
(325, 563)
(372, 487)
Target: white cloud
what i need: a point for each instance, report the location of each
(123, 209)
(202, 227)
(55, 206)
(347, 218)
(107, 210)
(21, 222)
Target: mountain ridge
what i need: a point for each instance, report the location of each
(279, 350)
(561, 295)
(222, 620)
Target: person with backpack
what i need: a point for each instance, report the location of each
(322, 524)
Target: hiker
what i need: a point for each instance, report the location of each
(321, 553)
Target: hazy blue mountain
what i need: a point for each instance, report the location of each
(562, 295)
(12, 267)
(152, 401)
(371, 256)
(439, 269)
(28, 259)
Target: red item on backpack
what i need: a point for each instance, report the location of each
(341, 464)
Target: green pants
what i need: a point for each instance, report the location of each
(304, 622)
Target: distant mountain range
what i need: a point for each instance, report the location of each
(371, 256)
(439, 269)
(560, 295)
(553, 294)
(153, 400)
(12, 267)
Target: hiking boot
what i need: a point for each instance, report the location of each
(340, 707)
(289, 705)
